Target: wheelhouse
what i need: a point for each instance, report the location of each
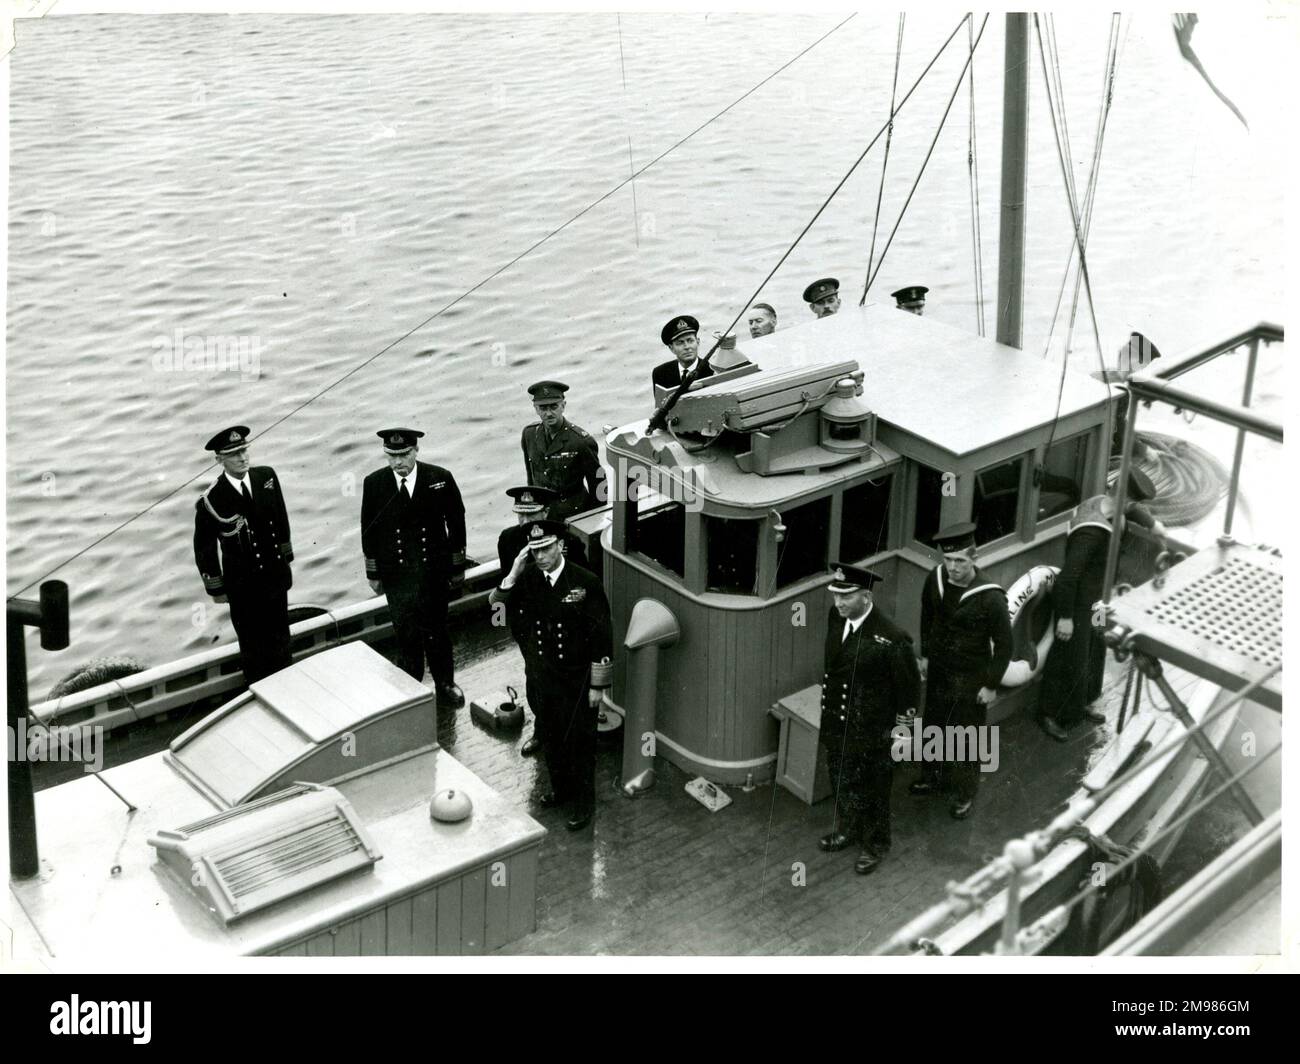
(850, 438)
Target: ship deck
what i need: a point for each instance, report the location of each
(662, 875)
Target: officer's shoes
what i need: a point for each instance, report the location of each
(867, 862)
(579, 820)
(531, 746)
(961, 810)
(450, 696)
(834, 842)
(1095, 715)
(921, 787)
(1049, 725)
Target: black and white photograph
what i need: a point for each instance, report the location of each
(781, 489)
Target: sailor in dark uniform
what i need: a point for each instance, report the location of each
(681, 336)
(1076, 664)
(965, 649)
(244, 513)
(561, 456)
(532, 503)
(870, 684)
(911, 299)
(413, 538)
(562, 623)
(823, 297)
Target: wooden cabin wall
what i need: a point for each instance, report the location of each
(464, 915)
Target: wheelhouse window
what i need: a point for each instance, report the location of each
(864, 523)
(803, 550)
(659, 532)
(732, 554)
(1063, 472)
(929, 501)
(997, 500)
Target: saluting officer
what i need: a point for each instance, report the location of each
(823, 297)
(413, 538)
(911, 299)
(681, 337)
(561, 456)
(870, 684)
(532, 503)
(562, 624)
(244, 512)
(965, 649)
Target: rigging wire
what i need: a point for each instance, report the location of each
(631, 166)
(660, 417)
(441, 311)
(925, 162)
(889, 136)
(973, 170)
(1079, 243)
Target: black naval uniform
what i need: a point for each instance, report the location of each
(1073, 674)
(567, 463)
(669, 374)
(251, 567)
(566, 638)
(966, 638)
(870, 678)
(412, 547)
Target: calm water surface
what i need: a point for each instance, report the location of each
(317, 187)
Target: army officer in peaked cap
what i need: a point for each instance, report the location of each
(560, 455)
(966, 647)
(413, 538)
(561, 620)
(911, 299)
(243, 551)
(870, 682)
(681, 336)
(823, 297)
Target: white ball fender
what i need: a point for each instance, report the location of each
(1030, 602)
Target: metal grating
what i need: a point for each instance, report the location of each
(296, 854)
(1237, 606)
(1218, 615)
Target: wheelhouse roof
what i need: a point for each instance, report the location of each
(957, 390)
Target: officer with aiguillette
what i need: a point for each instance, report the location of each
(243, 551)
(532, 503)
(561, 620)
(561, 456)
(413, 538)
(870, 684)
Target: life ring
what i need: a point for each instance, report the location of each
(1030, 604)
(93, 673)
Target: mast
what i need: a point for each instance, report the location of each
(1011, 226)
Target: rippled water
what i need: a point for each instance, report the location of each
(321, 186)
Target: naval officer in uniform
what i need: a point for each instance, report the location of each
(823, 297)
(532, 503)
(561, 456)
(966, 647)
(870, 683)
(682, 337)
(243, 551)
(911, 299)
(413, 538)
(561, 620)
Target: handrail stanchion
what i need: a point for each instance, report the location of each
(1231, 510)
